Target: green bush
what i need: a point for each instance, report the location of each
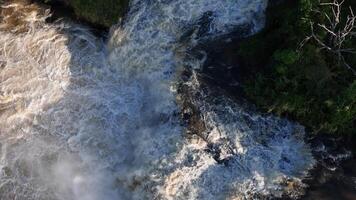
(306, 84)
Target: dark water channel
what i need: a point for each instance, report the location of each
(334, 177)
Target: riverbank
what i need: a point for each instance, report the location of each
(252, 140)
(302, 84)
(284, 74)
(263, 69)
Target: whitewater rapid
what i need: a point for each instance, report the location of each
(86, 119)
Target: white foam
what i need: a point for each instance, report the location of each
(83, 120)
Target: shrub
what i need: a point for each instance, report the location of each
(307, 84)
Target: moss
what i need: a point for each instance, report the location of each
(100, 12)
(103, 12)
(306, 84)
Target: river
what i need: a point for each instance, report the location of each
(84, 117)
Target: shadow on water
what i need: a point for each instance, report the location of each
(99, 136)
(120, 124)
(256, 156)
(97, 96)
(334, 176)
(58, 131)
(74, 126)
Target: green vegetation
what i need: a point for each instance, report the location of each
(104, 12)
(305, 82)
(100, 12)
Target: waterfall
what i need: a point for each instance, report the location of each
(87, 119)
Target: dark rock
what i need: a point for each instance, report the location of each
(103, 13)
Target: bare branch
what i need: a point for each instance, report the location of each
(338, 33)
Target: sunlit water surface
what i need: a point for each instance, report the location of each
(84, 119)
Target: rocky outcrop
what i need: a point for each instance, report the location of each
(98, 12)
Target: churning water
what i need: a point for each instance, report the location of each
(84, 120)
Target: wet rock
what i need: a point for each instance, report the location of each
(103, 13)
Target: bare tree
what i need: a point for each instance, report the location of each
(338, 32)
